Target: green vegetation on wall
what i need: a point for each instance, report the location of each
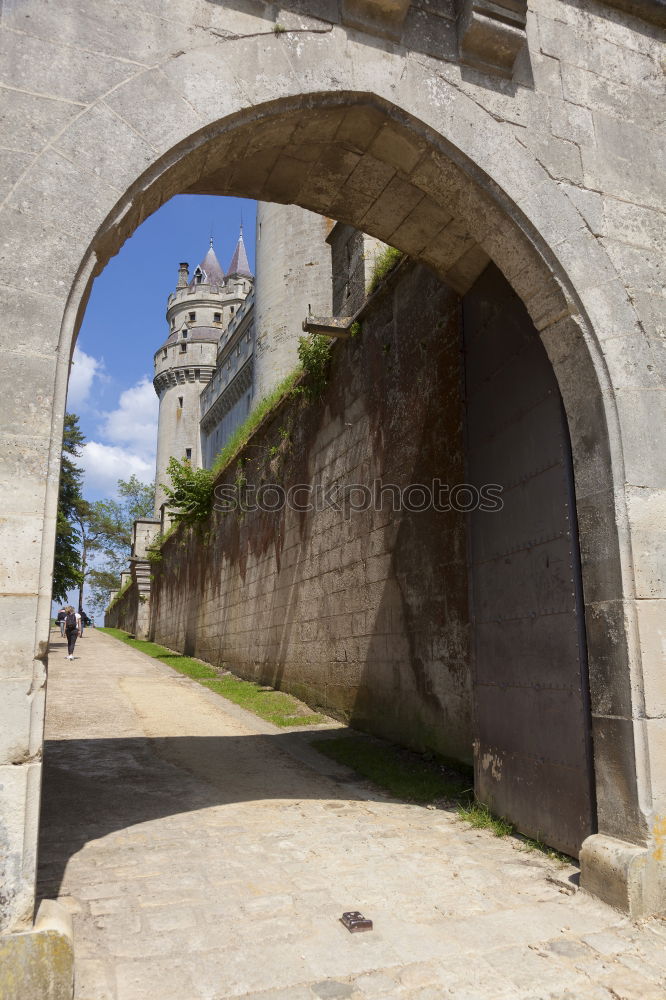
(121, 593)
(384, 264)
(190, 495)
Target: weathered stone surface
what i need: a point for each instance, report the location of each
(596, 55)
(39, 964)
(39, 194)
(131, 102)
(566, 346)
(615, 782)
(627, 877)
(490, 35)
(122, 158)
(44, 66)
(560, 157)
(607, 165)
(635, 225)
(20, 611)
(22, 705)
(32, 119)
(643, 416)
(597, 523)
(37, 257)
(380, 17)
(652, 629)
(19, 808)
(647, 518)
(608, 659)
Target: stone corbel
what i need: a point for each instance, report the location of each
(491, 33)
(377, 17)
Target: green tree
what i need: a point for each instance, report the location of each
(67, 562)
(106, 534)
(91, 532)
(190, 495)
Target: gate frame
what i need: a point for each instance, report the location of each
(510, 211)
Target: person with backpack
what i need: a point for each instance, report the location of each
(72, 630)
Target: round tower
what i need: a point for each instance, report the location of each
(197, 312)
(293, 269)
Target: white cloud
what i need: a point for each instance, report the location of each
(105, 464)
(127, 436)
(132, 426)
(82, 373)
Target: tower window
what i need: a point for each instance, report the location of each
(193, 316)
(188, 454)
(217, 317)
(173, 322)
(164, 353)
(233, 309)
(184, 333)
(183, 348)
(180, 402)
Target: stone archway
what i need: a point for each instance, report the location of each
(413, 162)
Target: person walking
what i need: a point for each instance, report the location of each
(86, 622)
(60, 618)
(72, 630)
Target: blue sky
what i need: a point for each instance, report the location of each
(111, 380)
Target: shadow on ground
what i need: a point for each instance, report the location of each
(93, 787)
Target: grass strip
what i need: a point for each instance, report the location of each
(426, 780)
(406, 775)
(273, 706)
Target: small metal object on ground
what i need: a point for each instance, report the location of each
(355, 922)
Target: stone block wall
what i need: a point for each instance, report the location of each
(347, 609)
(124, 612)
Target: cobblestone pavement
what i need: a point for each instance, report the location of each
(205, 856)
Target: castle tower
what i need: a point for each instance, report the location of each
(198, 311)
(293, 272)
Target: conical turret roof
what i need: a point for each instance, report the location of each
(240, 265)
(209, 270)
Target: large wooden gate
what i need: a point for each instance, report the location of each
(533, 756)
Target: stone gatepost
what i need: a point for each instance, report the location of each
(144, 533)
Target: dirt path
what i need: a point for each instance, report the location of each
(203, 860)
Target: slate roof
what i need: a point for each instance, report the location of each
(240, 265)
(212, 272)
